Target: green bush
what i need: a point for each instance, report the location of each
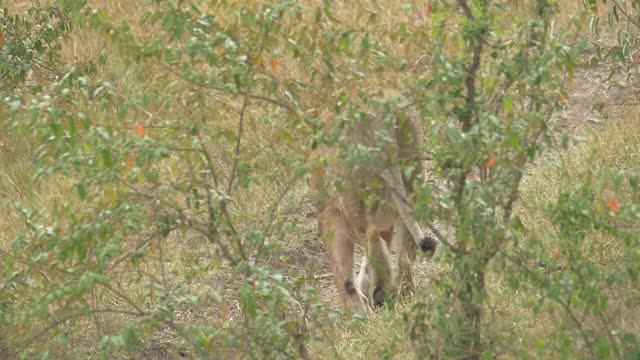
(177, 148)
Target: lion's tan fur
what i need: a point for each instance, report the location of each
(363, 211)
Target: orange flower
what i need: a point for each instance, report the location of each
(562, 99)
(275, 66)
(491, 162)
(50, 259)
(613, 205)
(130, 162)
(140, 130)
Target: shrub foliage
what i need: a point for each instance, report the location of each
(181, 144)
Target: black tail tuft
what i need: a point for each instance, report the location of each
(378, 297)
(428, 245)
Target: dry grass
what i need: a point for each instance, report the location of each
(381, 335)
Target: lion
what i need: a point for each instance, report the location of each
(364, 201)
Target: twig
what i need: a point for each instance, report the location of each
(465, 7)
(123, 297)
(629, 17)
(398, 194)
(236, 157)
(161, 261)
(566, 307)
(129, 254)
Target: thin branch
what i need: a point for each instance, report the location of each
(211, 232)
(58, 322)
(129, 254)
(566, 306)
(465, 7)
(115, 311)
(629, 17)
(161, 261)
(208, 160)
(94, 314)
(470, 84)
(292, 109)
(123, 297)
(236, 157)
(272, 101)
(274, 206)
(442, 238)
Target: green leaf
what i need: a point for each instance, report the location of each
(107, 159)
(82, 190)
(248, 299)
(508, 104)
(633, 180)
(618, 179)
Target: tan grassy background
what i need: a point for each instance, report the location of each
(614, 138)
